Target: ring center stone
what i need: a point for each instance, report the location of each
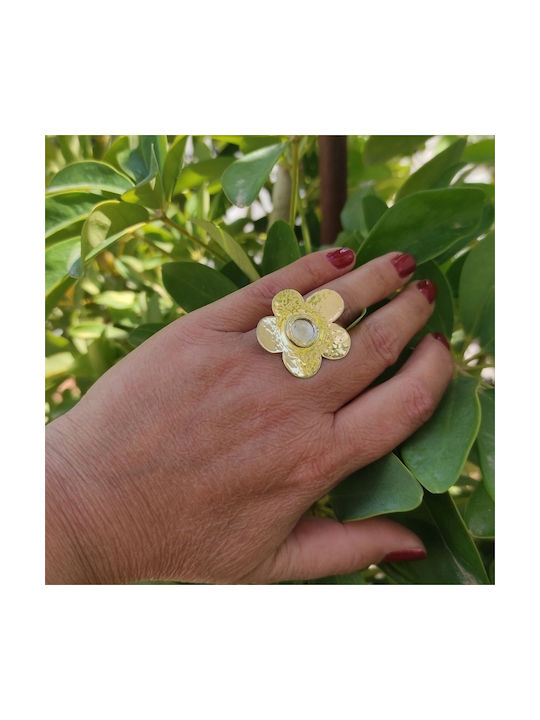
(301, 331)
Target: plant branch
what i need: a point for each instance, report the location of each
(294, 176)
(167, 221)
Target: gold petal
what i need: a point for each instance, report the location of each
(338, 343)
(268, 334)
(302, 362)
(285, 303)
(327, 303)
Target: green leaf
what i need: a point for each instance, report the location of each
(480, 513)
(59, 364)
(479, 152)
(382, 487)
(193, 285)
(477, 292)
(427, 175)
(442, 319)
(481, 228)
(107, 222)
(380, 148)
(452, 557)
(61, 211)
(58, 260)
(248, 143)
(362, 211)
(424, 224)
(116, 299)
(89, 175)
(143, 332)
(246, 176)
(173, 165)
(281, 247)
(486, 439)
(235, 251)
(436, 453)
(351, 239)
(149, 191)
(210, 171)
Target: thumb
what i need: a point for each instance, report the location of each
(318, 547)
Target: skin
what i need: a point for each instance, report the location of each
(196, 457)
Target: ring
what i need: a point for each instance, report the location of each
(304, 331)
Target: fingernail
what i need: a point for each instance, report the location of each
(440, 337)
(405, 555)
(428, 289)
(341, 257)
(405, 264)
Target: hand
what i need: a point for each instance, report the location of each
(196, 456)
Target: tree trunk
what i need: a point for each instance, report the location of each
(333, 174)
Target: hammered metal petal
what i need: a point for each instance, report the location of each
(338, 342)
(286, 303)
(302, 362)
(269, 334)
(327, 303)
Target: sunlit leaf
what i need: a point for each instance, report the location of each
(427, 175)
(246, 176)
(89, 175)
(63, 210)
(235, 251)
(173, 164)
(380, 148)
(107, 222)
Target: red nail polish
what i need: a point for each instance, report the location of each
(405, 264)
(428, 289)
(403, 555)
(438, 336)
(341, 257)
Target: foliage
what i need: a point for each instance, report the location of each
(142, 229)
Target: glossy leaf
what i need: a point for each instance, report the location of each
(108, 222)
(480, 513)
(281, 247)
(427, 175)
(58, 260)
(193, 285)
(249, 143)
(436, 453)
(235, 251)
(173, 164)
(63, 210)
(210, 171)
(442, 319)
(362, 211)
(424, 224)
(486, 439)
(380, 148)
(149, 191)
(452, 557)
(89, 175)
(482, 151)
(477, 292)
(246, 176)
(382, 487)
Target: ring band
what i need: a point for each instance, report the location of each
(304, 331)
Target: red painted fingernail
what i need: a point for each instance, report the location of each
(403, 555)
(341, 257)
(440, 337)
(428, 289)
(405, 264)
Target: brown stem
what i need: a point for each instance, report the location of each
(333, 174)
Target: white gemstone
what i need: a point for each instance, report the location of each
(303, 331)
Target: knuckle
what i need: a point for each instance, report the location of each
(382, 342)
(312, 268)
(419, 401)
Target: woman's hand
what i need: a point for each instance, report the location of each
(195, 457)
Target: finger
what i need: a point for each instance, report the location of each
(372, 282)
(376, 343)
(383, 417)
(319, 547)
(242, 310)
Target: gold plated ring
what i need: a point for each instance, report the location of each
(304, 331)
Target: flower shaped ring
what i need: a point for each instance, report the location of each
(303, 331)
